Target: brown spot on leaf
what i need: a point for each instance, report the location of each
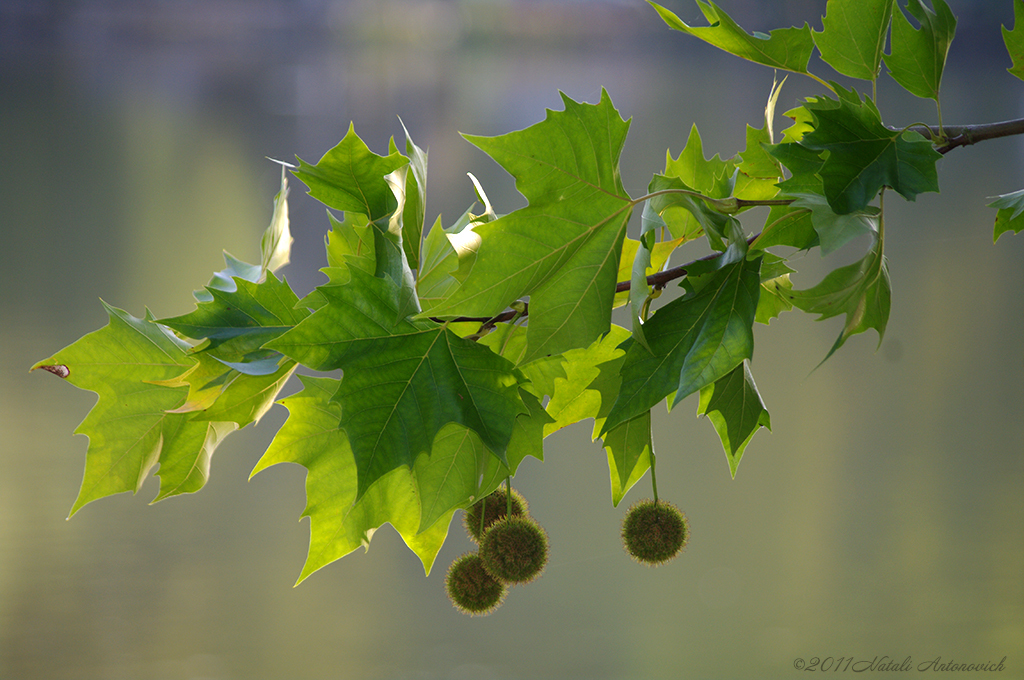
(59, 370)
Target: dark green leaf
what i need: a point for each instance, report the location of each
(1011, 213)
(340, 521)
(240, 321)
(1015, 40)
(854, 36)
(864, 155)
(399, 391)
(366, 307)
(861, 291)
(834, 231)
(918, 56)
(734, 406)
(695, 340)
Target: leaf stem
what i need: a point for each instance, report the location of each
(654, 477)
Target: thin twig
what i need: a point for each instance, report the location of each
(657, 280)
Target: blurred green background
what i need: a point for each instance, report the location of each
(884, 515)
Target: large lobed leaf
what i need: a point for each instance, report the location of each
(563, 249)
(400, 391)
(132, 428)
(140, 370)
(863, 155)
(418, 501)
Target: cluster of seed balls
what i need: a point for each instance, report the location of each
(513, 550)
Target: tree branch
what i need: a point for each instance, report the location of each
(965, 135)
(954, 136)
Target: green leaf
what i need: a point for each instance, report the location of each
(674, 195)
(352, 178)
(460, 469)
(239, 322)
(788, 49)
(694, 341)
(132, 428)
(775, 289)
(418, 502)
(758, 171)
(734, 406)
(399, 391)
(223, 392)
(854, 36)
(588, 383)
(834, 231)
(340, 520)
(629, 453)
(1014, 40)
(366, 307)
(918, 56)
(1011, 213)
(414, 211)
(276, 244)
(864, 155)
(349, 244)
(861, 291)
(563, 248)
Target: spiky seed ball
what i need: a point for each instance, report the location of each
(471, 589)
(515, 549)
(654, 533)
(493, 507)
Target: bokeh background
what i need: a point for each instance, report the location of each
(883, 516)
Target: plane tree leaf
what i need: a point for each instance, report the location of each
(400, 390)
(834, 231)
(775, 288)
(460, 469)
(366, 307)
(585, 387)
(917, 57)
(788, 49)
(1014, 40)
(132, 428)
(352, 178)
(853, 36)
(241, 321)
(863, 155)
(340, 521)
(563, 248)
(734, 406)
(861, 291)
(1011, 213)
(414, 209)
(694, 340)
